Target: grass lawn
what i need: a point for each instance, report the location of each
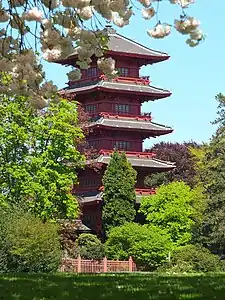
(111, 286)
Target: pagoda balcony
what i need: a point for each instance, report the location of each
(141, 116)
(140, 126)
(142, 80)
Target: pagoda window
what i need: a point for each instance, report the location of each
(122, 145)
(122, 108)
(92, 72)
(90, 108)
(123, 72)
(90, 182)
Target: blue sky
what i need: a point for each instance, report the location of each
(194, 75)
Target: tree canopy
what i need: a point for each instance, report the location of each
(119, 192)
(148, 245)
(39, 156)
(181, 154)
(174, 209)
(213, 176)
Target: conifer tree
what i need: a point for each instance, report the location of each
(213, 175)
(119, 192)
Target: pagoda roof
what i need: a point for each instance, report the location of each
(130, 123)
(127, 47)
(123, 46)
(137, 159)
(90, 197)
(115, 86)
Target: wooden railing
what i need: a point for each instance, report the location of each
(80, 265)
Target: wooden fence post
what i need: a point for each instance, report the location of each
(105, 264)
(79, 264)
(130, 262)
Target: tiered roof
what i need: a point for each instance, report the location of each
(137, 123)
(119, 45)
(137, 159)
(142, 90)
(97, 196)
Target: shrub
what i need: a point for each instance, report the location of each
(29, 245)
(194, 258)
(148, 245)
(90, 247)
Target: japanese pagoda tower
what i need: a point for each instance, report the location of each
(116, 121)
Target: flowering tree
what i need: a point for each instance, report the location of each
(54, 27)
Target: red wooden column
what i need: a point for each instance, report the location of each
(79, 264)
(105, 264)
(130, 262)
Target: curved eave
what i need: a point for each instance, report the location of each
(148, 59)
(95, 198)
(152, 163)
(150, 132)
(143, 94)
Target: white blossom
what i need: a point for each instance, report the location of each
(160, 31)
(74, 75)
(146, 3)
(33, 15)
(148, 13)
(107, 66)
(182, 3)
(85, 13)
(187, 25)
(53, 54)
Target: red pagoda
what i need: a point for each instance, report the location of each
(116, 121)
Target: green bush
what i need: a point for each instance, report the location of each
(194, 258)
(148, 245)
(89, 247)
(29, 245)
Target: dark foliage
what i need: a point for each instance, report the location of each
(213, 176)
(185, 165)
(89, 247)
(119, 192)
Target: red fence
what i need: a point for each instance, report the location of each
(92, 266)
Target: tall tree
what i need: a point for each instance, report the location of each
(173, 208)
(39, 156)
(119, 192)
(213, 175)
(185, 163)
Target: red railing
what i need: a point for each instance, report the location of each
(146, 116)
(129, 153)
(80, 265)
(137, 80)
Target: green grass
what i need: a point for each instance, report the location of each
(111, 286)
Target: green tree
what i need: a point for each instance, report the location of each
(39, 156)
(119, 192)
(148, 245)
(213, 175)
(173, 208)
(89, 247)
(28, 244)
